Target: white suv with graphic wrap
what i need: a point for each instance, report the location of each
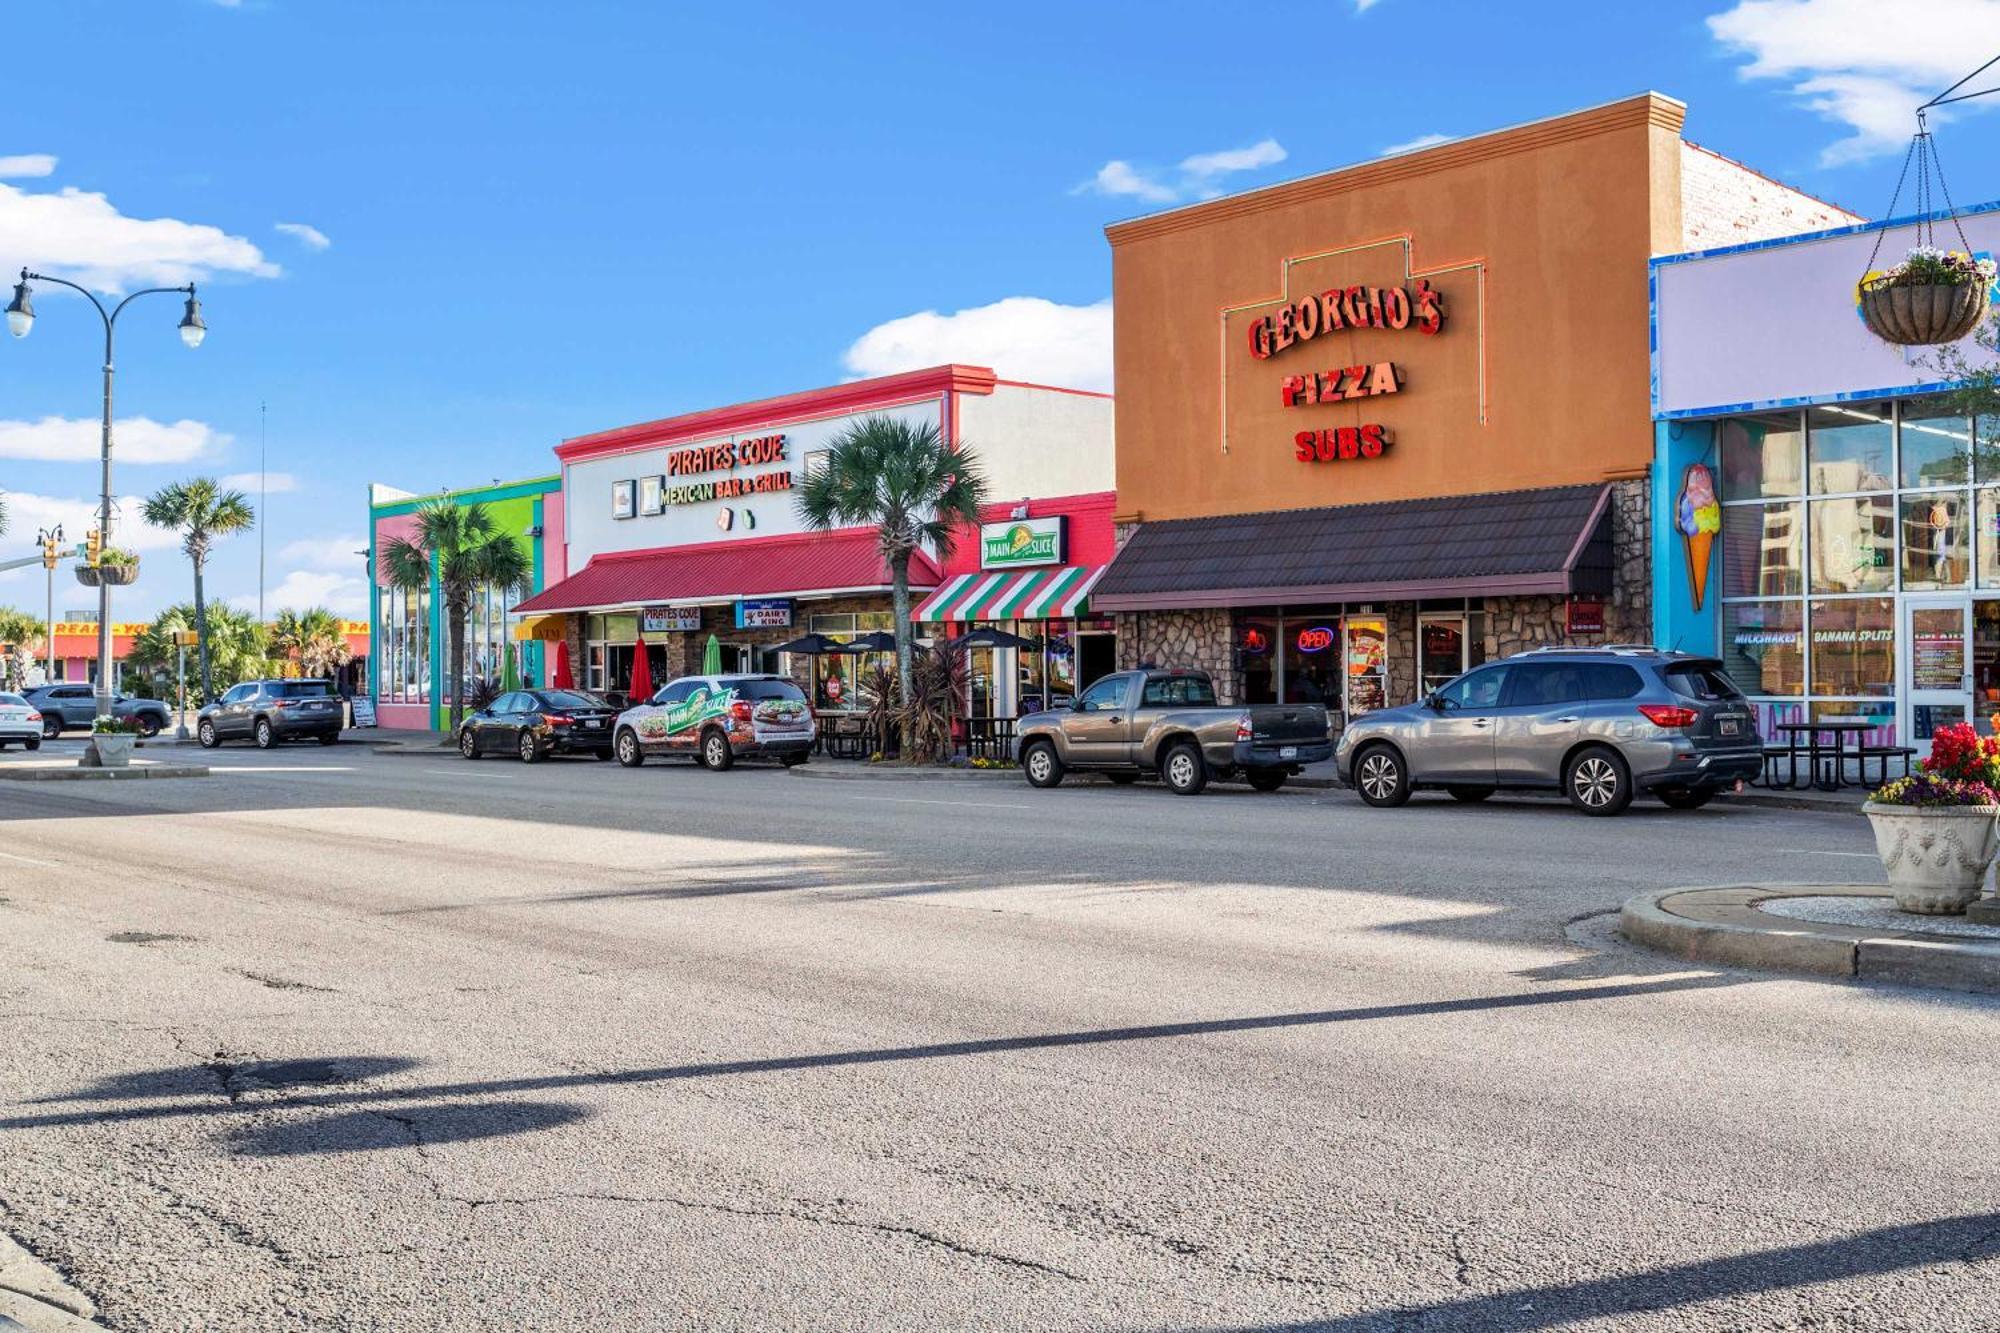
(716, 720)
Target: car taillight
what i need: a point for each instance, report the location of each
(740, 710)
(34, 717)
(1669, 715)
(557, 719)
(1243, 730)
(283, 703)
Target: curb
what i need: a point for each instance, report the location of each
(885, 773)
(35, 1297)
(21, 773)
(1720, 924)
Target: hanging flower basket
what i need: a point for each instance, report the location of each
(1921, 314)
(118, 576)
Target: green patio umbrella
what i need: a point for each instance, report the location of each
(711, 657)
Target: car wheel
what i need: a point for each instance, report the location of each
(1043, 767)
(1685, 798)
(265, 737)
(529, 749)
(1470, 795)
(715, 755)
(330, 738)
(1183, 770)
(791, 760)
(51, 728)
(205, 733)
(149, 726)
(605, 755)
(1122, 779)
(467, 746)
(1267, 779)
(1381, 778)
(1598, 783)
(627, 746)
(32, 743)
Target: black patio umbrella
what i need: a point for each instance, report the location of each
(814, 645)
(878, 642)
(988, 637)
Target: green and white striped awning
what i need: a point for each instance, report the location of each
(1056, 593)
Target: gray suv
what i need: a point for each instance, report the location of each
(1597, 724)
(64, 707)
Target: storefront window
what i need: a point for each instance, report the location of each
(1763, 649)
(1367, 654)
(1986, 526)
(1257, 658)
(1441, 655)
(1061, 666)
(1986, 449)
(1761, 456)
(1854, 646)
(1936, 445)
(1312, 659)
(1853, 544)
(846, 680)
(1763, 550)
(1848, 449)
(1937, 550)
(406, 670)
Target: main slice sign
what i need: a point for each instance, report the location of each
(1343, 332)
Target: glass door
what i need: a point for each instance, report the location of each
(1938, 650)
(1440, 651)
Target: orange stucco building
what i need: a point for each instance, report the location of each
(1377, 424)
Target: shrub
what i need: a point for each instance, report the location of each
(1961, 754)
(1928, 266)
(115, 726)
(1927, 789)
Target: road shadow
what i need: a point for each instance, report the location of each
(339, 1096)
(1971, 1239)
(406, 1127)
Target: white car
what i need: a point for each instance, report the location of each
(19, 721)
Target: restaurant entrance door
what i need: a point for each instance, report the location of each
(1937, 652)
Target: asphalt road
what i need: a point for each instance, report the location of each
(340, 1040)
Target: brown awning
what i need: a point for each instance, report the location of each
(1507, 544)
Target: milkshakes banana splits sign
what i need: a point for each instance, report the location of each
(1021, 542)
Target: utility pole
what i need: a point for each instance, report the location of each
(50, 538)
(263, 486)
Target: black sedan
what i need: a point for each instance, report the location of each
(537, 723)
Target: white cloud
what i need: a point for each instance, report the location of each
(247, 482)
(1021, 337)
(28, 513)
(27, 164)
(1363, 6)
(336, 554)
(1199, 174)
(83, 237)
(1853, 66)
(301, 589)
(307, 235)
(1421, 141)
(133, 440)
(1118, 177)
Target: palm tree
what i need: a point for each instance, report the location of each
(313, 639)
(21, 636)
(911, 486)
(202, 511)
(469, 552)
(235, 639)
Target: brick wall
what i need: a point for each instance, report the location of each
(1724, 202)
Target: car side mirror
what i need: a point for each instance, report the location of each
(1434, 701)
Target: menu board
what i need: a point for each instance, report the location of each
(364, 710)
(1937, 661)
(1366, 647)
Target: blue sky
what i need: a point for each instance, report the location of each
(438, 237)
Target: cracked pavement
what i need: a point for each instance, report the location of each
(341, 1040)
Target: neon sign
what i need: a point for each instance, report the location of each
(1315, 640)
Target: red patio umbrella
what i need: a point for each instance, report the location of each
(642, 673)
(560, 679)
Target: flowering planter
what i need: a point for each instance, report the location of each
(112, 750)
(1921, 315)
(117, 576)
(1936, 856)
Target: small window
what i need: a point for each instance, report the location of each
(759, 690)
(1545, 684)
(12, 701)
(1105, 696)
(1480, 689)
(1698, 681)
(1178, 692)
(677, 691)
(568, 699)
(511, 703)
(239, 694)
(297, 689)
(1611, 680)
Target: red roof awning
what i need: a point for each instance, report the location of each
(806, 565)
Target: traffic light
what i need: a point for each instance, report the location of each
(93, 545)
(48, 553)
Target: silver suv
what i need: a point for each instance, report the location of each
(1598, 724)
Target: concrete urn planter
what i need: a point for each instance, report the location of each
(1936, 856)
(112, 751)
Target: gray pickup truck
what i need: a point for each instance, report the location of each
(1135, 723)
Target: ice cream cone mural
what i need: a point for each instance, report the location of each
(1699, 518)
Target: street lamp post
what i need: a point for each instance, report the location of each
(21, 318)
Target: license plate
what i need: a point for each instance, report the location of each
(1729, 726)
(593, 722)
(1288, 752)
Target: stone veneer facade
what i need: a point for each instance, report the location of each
(1204, 639)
